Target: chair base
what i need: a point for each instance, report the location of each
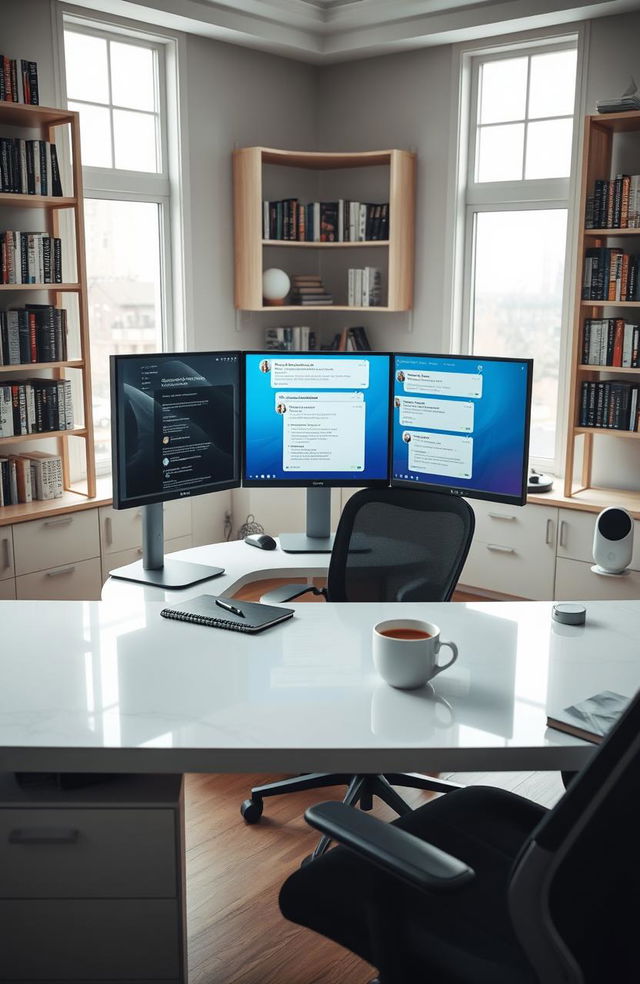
(361, 788)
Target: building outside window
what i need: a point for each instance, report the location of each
(516, 198)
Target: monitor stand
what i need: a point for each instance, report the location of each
(153, 568)
(318, 538)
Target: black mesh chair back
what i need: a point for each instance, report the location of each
(399, 545)
(575, 891)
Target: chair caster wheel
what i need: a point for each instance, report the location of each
(251, 810)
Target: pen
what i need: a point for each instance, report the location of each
(229, 608)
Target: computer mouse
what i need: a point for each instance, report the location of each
(261, 540)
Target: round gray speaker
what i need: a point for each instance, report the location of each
(612, 541)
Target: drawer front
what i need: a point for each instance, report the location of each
(76, 581)
(7, 566)
(575, 537)
(90, 939)
(8, 589)
(521, 527)
(121, 529)
(45, 543)
(111, 561)
(575, 581)
(510, 570)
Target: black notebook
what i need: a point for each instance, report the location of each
(244, 616)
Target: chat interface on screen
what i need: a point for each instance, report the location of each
(460, 422)
(322, 417)
(179, 423)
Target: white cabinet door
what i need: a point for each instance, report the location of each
(8, 589)
(575, 581)
(41, 544)
(79, 581)
(121, 529)
(7, 567)
(513, 550)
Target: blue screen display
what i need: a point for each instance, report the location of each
(462, 423)
(316, 417)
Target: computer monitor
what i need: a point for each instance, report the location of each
(175, 428)
(317, 420)
(461, 425)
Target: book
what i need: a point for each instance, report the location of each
(592, 718)
(204, 610)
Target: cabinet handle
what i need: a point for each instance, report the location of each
(499, 549)
(108, 530)
(509, 519)
(562, 539)
(44, 835)
(548, 538)
(54, 523)
(6, 557)
(62, 570)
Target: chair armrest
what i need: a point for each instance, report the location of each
(397, 852)
(288, 592)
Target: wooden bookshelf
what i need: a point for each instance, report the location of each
(252, 251)
(599, 158)
(45, 123)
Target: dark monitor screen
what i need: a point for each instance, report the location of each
(316, 419)
(461, 425)
(175, 425)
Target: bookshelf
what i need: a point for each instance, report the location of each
(253, 253)
(62, 217)
(611, 147)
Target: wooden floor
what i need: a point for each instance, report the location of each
(234, 873)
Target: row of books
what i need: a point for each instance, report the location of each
(308, 290)
(29, 476)
(290, 338)
(35, 333)
(609, 274)
(30, 258)
(610, 342)
(364, 287)
(325, 222)
(611, 404)
(35, 406)
(354, 338)
(29, 167)
(615, 203)
(19, 81)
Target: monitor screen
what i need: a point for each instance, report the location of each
(461, 425)
(316, 419)
(175, 425)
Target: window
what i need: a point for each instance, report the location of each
(516, 197)
(116, 83)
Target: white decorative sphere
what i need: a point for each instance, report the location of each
(275, 284)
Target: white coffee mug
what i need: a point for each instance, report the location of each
(405, 652)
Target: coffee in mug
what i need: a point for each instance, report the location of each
(405, 652)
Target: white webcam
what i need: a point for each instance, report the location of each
(612, 541)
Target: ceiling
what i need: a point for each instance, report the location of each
(325, 31)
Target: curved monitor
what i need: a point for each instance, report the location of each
(461, 425)
(316, 419)
(175, 425)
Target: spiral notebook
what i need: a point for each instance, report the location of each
(249, 616)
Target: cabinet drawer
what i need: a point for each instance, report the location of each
(79, 581)
(575, 537)
(111, 561)
(121, 529)
(510, 570)
(7, 567)
(86, 853)
(521, 527)
(575, 581)
(8, 589)
(45, 543)
(90, 939)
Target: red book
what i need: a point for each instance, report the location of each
(618, 339)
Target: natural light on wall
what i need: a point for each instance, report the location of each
(115, 83)
(516, 217)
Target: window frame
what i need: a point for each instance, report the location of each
(471, 197)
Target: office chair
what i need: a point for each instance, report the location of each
(390, 545)
(483, 886)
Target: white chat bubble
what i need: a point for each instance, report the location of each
(322, 433)
(450, 415)
(320, 373)
(442, 383)
(440, 454)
